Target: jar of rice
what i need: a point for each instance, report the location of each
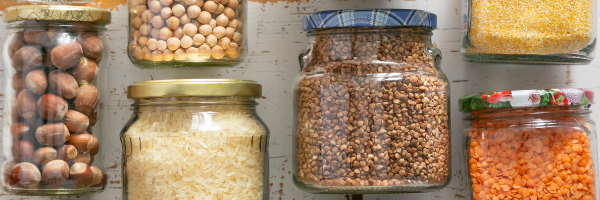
(195, 139)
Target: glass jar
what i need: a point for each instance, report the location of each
(526, 32)
(51, 133)
(195, 139)
(371, 104)
(531, 144)
(187, 33)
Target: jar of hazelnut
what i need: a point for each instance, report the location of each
(51, 137)
(371, 104)
(187, 33)
(531, 144)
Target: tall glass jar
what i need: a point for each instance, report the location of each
(371, 104)
(51, 130)
(187, 33)
(526, 32)
(533, 144)
(195, 139)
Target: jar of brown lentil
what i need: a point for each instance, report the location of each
(531, 144)
(371, 104)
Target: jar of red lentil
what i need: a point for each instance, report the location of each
(371, 104)
(533, 144)
(540, 32)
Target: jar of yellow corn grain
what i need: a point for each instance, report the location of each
(539, 32)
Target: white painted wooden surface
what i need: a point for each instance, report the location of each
(275, 39)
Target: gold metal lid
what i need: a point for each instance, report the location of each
(57, 13)
(194, 87)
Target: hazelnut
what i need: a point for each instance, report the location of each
(83, 158)
(93, 118)
(87, 99)
(44, 155)
(36, 37)
(67, 153)
(52, 134)
(6, 171)
(22, 151)
(15, 42)
(15, 116)
(81, 174)
(66, 55)
(27, 58)
(55, 173)
(52, 107)
(85, 71)
(84, 142)
(91, 44)
(63, 84)
(25, 175)
(26, 102)
(18, 129)
(97, 176)
(76, 122)
(36, 81)
(17, 82)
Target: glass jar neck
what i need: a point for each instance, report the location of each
(57, 25)
(536, 116)
(193, 103)
(424, 32)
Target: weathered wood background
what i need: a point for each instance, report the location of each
(275, 39)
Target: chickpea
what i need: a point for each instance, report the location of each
(155, 33)
(205, 51)
(220, 9)
(204, 17)
(173, 22)
(179, 54)
(166, 12)
(240, 25)
(167, 55)
(233, 4)
(147, 55)
(210, 6)
(136, 35)
(145, 29)
(178, 10)
(212, 23)
(205, 30)
(199, 3)
(178, 33)
(173, 43)
(211, 40)
(224, 2)
(136, 22)
(132, 45)
(196, 23)
(229, 13)
(186, 42)
(237, 38)
(157, 56)
(189, 2)
(222, 20)
(139, 9)
(192, 52)
(147, 16)
(190, 30)
(185, 19)
(232, 51)
(198, 39)
(219, 32)
(193, 11)
(233, 23)
(152, 44)
(161, 45)
(138, 53)
(229, 32)
(217, 1)
(217, 52)
(166, 2)
(157, 21)
(155, 6)
(143, 41)
(224, 43)
(165, 33)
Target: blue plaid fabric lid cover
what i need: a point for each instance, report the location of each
(369, 17)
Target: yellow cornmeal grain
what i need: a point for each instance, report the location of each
(530, 26)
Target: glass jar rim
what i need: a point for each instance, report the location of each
(56, 13)
(194, 88)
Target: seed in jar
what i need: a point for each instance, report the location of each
(195, 23)
(51, 107)
(22, 151)
(190, 30)
(132, 45)
(189, 2)
(147, 16)
(166, 2)
(233, 4)
(36, 37)
(205, 51)
(198, 39)
(86, 71)
(143, 41)
(161, 45)
(199, 3)
(18, 129)
(155, 6)
(145, 29)
(165, 33)
(179, 54)
(157, 21)
(237, 38)
(93, 118)
(166, 12)
(81, 175)
(191, 52)
(224, 43)
(15, 42)
(186, 42)
(211, 40)
(229, 31)
(233, 23)
(91, 44)
(232, 51)
(147, 53)
(167, 55)
(222, 20)
(220, 9)
(210, 6)
(173, 22)
(156, 56)
(135, 35)
(76, 122)
(83, 158)
(217, 52)
(37, 81)
(152, 44)
(205, 30)
(67, 153)
(173, 43)
(193, 11)
(17, 81)
(86, 99)
(25, 175)
(155, 33)
(178, 33)
(55, 173)
(178, 10)
(185, 19)
(224, 2)
(219, 32)
(44, 155)
(52, 134)
(212, 23)
(26, 104)
(136, 22)
(229, 13)
(27, 58)
(139, 9)
(97, 176)
(204, 17)
(138, 53)
(85, 142)
(63, 84)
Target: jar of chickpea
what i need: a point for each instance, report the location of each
(187, 33)
(531, 144)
